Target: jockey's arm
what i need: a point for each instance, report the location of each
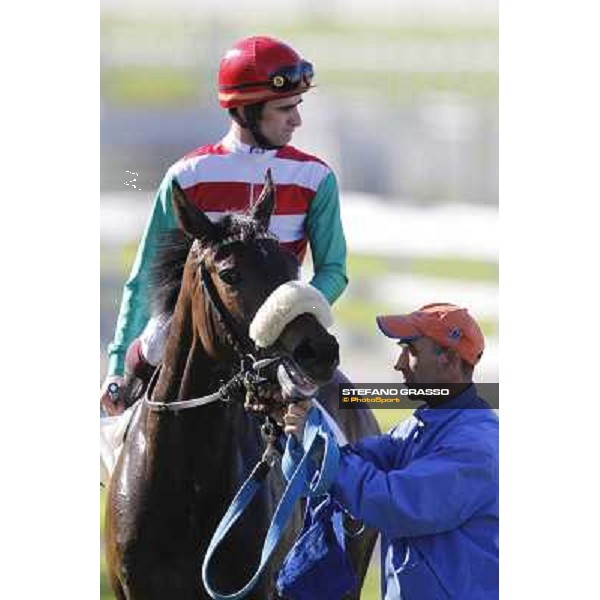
(327, 242)
(134, 313)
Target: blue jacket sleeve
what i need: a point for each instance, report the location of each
(430, 495)
(381, 450)
(327, 242)
(133, 313)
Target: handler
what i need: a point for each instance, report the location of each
(430, 485)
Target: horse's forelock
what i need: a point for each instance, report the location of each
(173, 248)
(241, 226)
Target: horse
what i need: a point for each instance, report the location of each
(178, 471)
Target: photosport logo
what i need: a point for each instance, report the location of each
(394, 395)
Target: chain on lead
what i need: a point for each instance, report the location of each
(269, 431)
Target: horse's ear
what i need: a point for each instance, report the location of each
(192, 220)
(265, 204)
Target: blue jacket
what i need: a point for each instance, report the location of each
(430, 486)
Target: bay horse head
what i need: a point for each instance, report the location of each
(233, 267)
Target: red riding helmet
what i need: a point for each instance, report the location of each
(257, 69)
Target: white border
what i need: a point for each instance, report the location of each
(549, 300)
(50, 299)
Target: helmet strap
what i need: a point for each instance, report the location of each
(235, 115)
(252, 124)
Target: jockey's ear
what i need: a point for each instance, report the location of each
(192, 220)
(265, 204)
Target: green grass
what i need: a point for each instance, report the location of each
(174, 26)
(365, 265)
(151, 86)
(128, 252)
(445, 267)
(105, 591)
(388, 417)
(382, 31)
(137, 84)
(370, 590)
(359, 315)
(164, 86)
(449, 267)
(371, 266)
(400, 86)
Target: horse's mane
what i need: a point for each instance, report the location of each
(166, 270)
(173, 246)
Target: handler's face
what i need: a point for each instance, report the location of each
(421, 362)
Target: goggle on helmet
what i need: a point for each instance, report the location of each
(258, 69)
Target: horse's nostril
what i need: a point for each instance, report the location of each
(331, 354)
(309, 353)
(305, 352)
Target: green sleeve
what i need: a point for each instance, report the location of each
(327, 242)
(134, 313)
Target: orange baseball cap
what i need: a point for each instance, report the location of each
(446, 324)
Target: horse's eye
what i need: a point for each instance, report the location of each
(230, 276)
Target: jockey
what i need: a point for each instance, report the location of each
(261, 82)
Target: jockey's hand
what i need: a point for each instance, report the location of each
(111, 406)
(295, 418)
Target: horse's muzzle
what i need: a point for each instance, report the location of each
(317, 359)
(313, 351)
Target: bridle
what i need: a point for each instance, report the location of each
(248, 378)
(235, 334)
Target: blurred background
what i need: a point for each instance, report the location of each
(405, 110)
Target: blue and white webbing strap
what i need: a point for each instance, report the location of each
(317, 436)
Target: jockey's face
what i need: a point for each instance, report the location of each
(280, 119)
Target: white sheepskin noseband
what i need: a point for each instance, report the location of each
(283, 306)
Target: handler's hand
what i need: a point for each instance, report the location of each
(295, 418)
(110, 406)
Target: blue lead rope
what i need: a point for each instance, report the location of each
(317, 437)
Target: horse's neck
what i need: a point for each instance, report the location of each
(188, 371)
(186, 368)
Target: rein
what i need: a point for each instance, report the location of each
(248, 377)
(317, 440)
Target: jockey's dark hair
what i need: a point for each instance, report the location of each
(253, 114)
(251, 122)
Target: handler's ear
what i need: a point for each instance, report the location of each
(450, 358)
